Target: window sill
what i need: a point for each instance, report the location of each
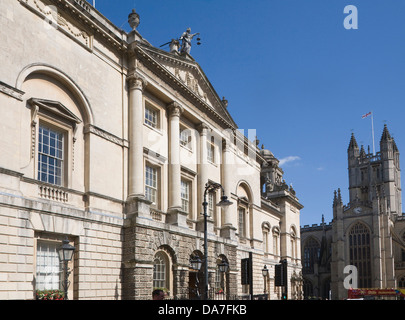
(157, 130)
(187, 148)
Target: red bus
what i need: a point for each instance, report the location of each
(374, 294)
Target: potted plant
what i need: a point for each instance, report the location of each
(49, 295)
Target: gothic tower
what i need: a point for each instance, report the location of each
(362, 229)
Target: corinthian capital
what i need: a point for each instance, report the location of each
(136, 82)
(174, 109)
(203, 128)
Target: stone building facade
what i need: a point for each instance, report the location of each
(110, 142)
(368, 232)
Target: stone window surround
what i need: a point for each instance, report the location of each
(55, 115)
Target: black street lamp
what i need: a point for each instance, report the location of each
(210, 187)
(65, 256)
(223, 266)
(196, 263)
(265, 273)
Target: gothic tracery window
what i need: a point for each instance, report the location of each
(311, 255)
(359, 251)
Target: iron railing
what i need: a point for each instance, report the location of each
(213, 294)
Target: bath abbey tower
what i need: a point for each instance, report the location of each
(367, 233)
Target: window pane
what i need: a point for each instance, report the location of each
(151, 184)
(185, 138)
(185, 196)
(241, 212)
(151, 117)
(360, 253)
(210, 152)
(48, 267)
(159, 271)
(211, 204)
(50, 155)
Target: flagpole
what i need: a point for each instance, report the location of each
(372, 131)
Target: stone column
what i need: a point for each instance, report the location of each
(136, 84)
(228, 230)
(203, 179)
(203, 175)
(175, 215)
(174, 111)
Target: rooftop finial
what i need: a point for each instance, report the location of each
(133, 19)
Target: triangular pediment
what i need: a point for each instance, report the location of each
(55, 108)
(190, 75)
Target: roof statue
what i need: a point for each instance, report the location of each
(186, 38)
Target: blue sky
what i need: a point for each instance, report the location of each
(291, 71)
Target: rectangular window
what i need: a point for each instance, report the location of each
(151, 184)
(185, 196)
(265, 241)
(211, 204)
(151, 117)
(50, 155)
(275, 245)
(241, 213)
(210, 152)
(185, 138)
(48, 266)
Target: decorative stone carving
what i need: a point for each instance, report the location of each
(105, 135)
(11, 91)
(175, 109)
(174, 45)
(203, 128)
(136, 82)
(133, 20)
(54, 19)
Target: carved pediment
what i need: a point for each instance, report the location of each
(191, 76)
(54, 108)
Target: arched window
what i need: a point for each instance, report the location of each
(276, 241)
(60, 115)
(244, 205)
(311, 255)
(161, 271)
(266, 232)
(294, 247)
(359, 251)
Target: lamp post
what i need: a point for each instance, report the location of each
(223, 266)
(195, 263)
(65, 253)
(210, 187)
(265, 273)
